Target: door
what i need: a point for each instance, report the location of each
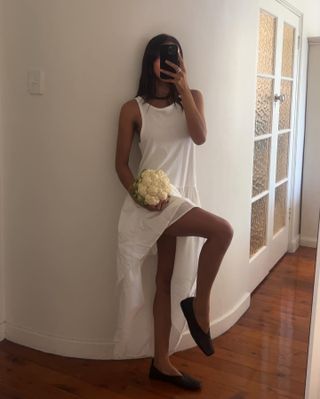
(276, 81)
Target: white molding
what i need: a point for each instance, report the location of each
(308, 241)
(2, 330)
(295, 214)
(62, 346)
(290, 7)
(314, 40)
(69, 347)
(294, 244)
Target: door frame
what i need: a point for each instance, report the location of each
(295, 183)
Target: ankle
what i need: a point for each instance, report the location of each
(161, 360)
(200, 306)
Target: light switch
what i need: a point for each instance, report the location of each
(35, 81)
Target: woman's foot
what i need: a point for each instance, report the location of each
(165, 366)
(201, 315)
(200, 333)
(182, 380)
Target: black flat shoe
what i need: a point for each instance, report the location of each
(185, 381)
(202, 339)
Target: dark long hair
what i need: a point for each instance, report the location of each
(147, 83)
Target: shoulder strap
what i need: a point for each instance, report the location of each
(141, 106)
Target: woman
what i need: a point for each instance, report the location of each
(169, 117)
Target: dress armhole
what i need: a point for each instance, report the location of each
(138, 100)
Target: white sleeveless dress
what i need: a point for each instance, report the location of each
(165, 144)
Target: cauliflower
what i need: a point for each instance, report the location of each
(151, 186)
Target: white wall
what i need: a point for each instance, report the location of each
(62, 196)
(313, 370)
(311, 181)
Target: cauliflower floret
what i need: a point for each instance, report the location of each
(152, 186)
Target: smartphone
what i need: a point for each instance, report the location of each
(168, 52)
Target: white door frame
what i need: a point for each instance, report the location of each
(295, 183)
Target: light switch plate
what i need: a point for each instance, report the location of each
(35, 81)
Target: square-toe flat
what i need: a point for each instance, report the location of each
(184, 381)
(202, 339)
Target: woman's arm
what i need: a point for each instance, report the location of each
(124, 143)
(192, 101)
(127, 120)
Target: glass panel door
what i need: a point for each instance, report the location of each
(274, 111)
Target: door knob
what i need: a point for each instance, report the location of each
(279, 97)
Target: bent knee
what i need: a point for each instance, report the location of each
(225, 233)
(229, 230)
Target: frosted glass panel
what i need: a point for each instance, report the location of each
(280, 209)
(282, 156)
(264, 102)
(267, 29)
(258, 224)
(287, 50)
(261, 166)
(285, 107)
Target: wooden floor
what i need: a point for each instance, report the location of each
(263, 356)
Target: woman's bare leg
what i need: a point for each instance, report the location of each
(196, 222)
(166, 246)
(219, 233)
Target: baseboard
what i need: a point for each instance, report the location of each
(104, 350)
(2, 330)
(221, 325)
(308, 241)
(58, 345)
(294, 244)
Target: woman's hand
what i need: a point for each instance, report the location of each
(161, 205)
(179, 77)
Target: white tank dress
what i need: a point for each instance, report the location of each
(165, 144)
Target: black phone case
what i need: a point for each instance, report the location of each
(168, 52)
